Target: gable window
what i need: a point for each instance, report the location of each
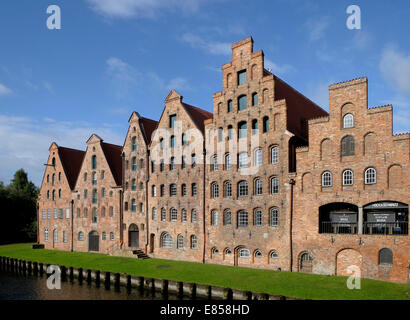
(94, 161)
(347, 178)
(183, 139)
(241, 77)
(229, 106)
(275, 155)
(347, 146)
(243, 218)
(326, 179)
(242, 103)
(161, 143)
(254, 99)
(348, 121)
(172, 141)
(134, 164)
(242, 188)
(134, 143)
(172, 120)
(370, 176)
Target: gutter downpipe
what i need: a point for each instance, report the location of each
(292, 183)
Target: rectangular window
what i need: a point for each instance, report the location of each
(243, 160)
(55, 214)
(64, 237)
(44, 213)
(172, 120)
(183, 164)
(67, 213)
(194, 189)
(242, 219)
(48, 214)
(153, 166)
(61, 213)
(241, 77)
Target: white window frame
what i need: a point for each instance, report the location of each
(214, 218)
(258, 217)
(274, 185)
(275, 155)
(274, 217)
(243, 160)
(348, 121)
(173, 214)
(244, 253)
(243, 218)
(258, 187)
(243, 188)
(348, 177)
(327, 179)
(370, 176)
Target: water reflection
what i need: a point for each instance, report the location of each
(19, 286)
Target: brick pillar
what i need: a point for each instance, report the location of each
(360, 221)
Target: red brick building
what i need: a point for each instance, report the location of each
(269, 180)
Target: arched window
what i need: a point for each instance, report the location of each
(193, 242)
(274, 217)
(243, 220)
(172, 165)
(103, 211)
(305, 262)
(172, 141)
(183, 139)
(370, 176)
(244, 253)
(53, 162)
(183, 189)
(227, 218)
(161, 165)
(258, 157)
(104, 236)
(274, 255)
(243, 160)
(180, 242)
(55, 235)
(46, 234)
(193, 215)
(111, 236)
(220, 134)
(258, 217)
(254, 99)
(214, 218)
(53, 179)
(230, 132)
(174, 214)
(265, 124)
(154, 213)
(255, 126)
(154, 191)
(134, 164)
(347, 178)
(258, 187)
(214, 251)
(54, 194)
(95, 215)
(348, 121)
(214, 190)
(141, 163)
(163, 214)
(111, 211)
(214, 163)
(94, 178)
(48, 178)
(85, 176)
(242, 128)
(134, 143)
(94, 161)
(385, 256)
(81, 236)
(326, 179)
(183, 215)
(194, 189)
(274, 185)
(133, 205)
(94, 195)
(257, 254)
(243, 188)
(347, 146)
(161, 143)
(166, 241)
(134, 184)
(193, 160)
(227, 189)
(173, 190)
(228, 162)
(229, 106)
(59, 176)
(228, 252)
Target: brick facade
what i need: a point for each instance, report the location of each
(243, 186)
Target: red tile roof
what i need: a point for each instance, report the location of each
(198, 115)
(113, 153)
(71, 160)
(148, 127)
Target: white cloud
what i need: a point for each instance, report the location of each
(278, 69)
(401, 113)
(28, 141)
(141, 8)
(213, 47)
(395, 67)
(123, 76)
(4, 91)
(316, 27)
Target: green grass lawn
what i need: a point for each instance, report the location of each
(289, 284)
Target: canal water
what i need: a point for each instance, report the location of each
(18, 286)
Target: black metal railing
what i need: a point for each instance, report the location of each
(386, 228)
(338, 228)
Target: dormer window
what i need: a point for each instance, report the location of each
(241, 77)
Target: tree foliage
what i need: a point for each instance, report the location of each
(18, 209)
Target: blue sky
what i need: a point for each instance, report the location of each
(115, 56)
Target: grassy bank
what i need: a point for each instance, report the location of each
(296, 285)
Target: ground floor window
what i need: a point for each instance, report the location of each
(244, 253)
(166, 240)
(386, 217)
(385, 256)
(339, 218)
